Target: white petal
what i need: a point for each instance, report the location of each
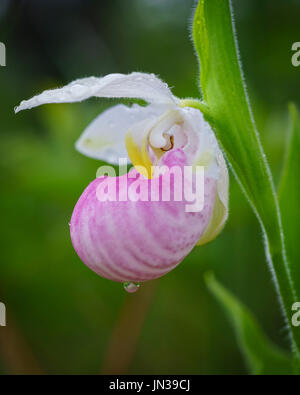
(104, 138)
(203, 145)
(135, 85)
(220, 211)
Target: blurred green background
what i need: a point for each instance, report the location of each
(62, 317)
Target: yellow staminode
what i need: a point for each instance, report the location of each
(139, 156)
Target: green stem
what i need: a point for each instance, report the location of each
(200, 105)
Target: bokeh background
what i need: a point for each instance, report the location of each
(62, 317)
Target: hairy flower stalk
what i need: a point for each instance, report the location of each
(135, 240)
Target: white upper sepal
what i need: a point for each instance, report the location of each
(135, 85)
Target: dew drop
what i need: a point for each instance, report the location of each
(131, 287)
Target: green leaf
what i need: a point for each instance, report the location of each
(228, 111)
(289, 195)
(261, 355)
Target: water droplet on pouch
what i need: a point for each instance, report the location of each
(131, 287)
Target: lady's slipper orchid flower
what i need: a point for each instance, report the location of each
(134, 241)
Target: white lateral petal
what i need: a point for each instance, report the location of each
(135, 85)
(104, 138)
(220, 211)
(203, 144)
